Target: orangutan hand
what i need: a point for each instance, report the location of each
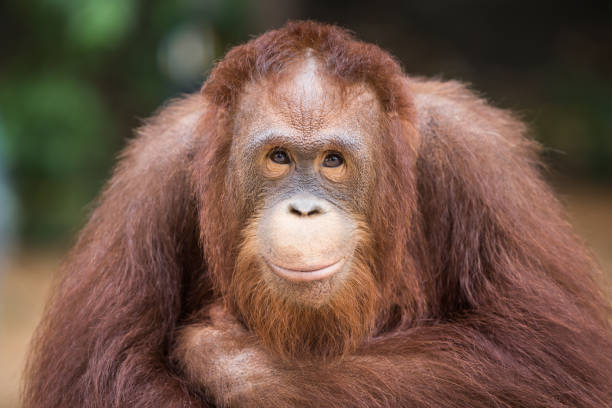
(227, 361)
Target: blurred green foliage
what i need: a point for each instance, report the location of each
(58, 145)
(77, 76)
(576, 119)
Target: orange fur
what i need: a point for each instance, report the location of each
(296, 330)
(474, 289)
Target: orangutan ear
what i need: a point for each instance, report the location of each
(482, 206)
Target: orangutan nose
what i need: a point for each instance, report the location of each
(306, 206)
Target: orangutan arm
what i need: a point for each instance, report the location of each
(236, 371)
(446, 365)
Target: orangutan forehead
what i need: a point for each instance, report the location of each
(307, 99)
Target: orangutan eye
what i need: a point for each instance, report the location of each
(333, 160)
(279, 156)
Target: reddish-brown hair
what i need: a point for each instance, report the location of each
(488, 297)
(337, 50)
(349, 61)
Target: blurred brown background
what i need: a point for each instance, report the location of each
(76, 76)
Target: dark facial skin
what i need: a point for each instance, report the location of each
(303, 147)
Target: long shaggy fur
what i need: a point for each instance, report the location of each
(485, 296)
(300, 331)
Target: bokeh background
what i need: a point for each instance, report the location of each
(76, 76)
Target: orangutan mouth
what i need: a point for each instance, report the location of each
(307, 273)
